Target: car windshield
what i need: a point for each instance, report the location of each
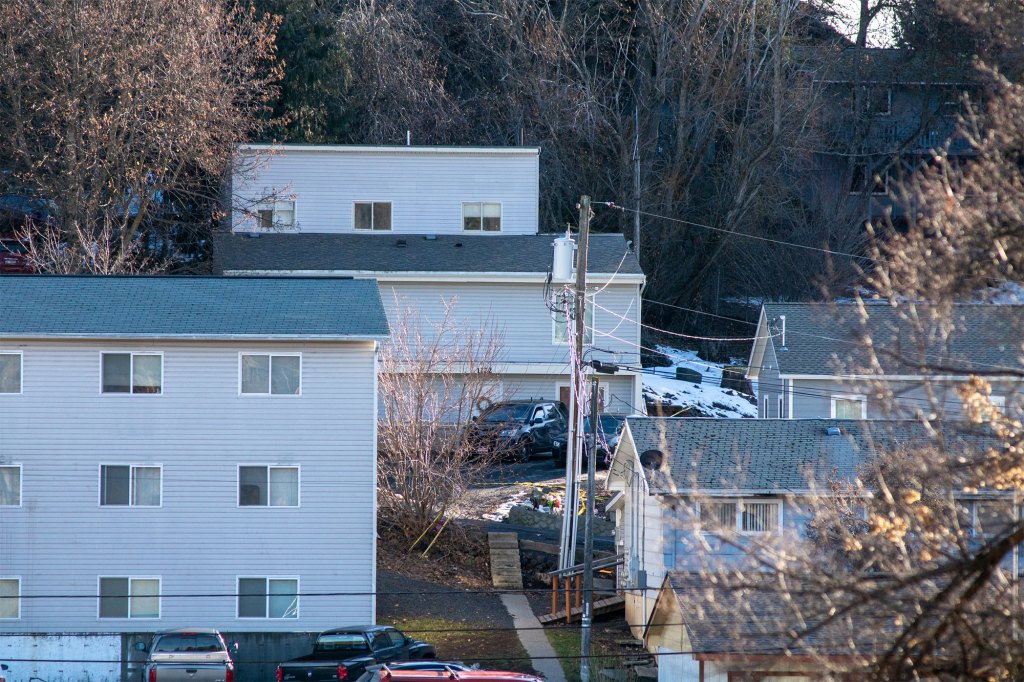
(346, 641)
(508, 413)
(610, 424)
(188, 643)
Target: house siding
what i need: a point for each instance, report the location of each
(769, 385)
(520, 316)
(426, 190)
(60, 429)
(812, 398)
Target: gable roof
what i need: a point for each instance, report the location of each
(258, 308)
(827, 339)
(411, 253)
(752, 618)
(769, 456)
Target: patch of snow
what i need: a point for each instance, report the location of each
(1009, 293)
(708, 398)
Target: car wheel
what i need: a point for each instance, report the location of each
(522, 452)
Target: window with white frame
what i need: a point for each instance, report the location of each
(10, 372)
(849, 407)
(985, 517)
(268, 486)
(753, 516)
(128, 485)
(371, 215)
(268, 598)
(270, 374)
(481, 216)
(10, 485)
(132, 373)
(10, 598)
(128, 597)
(276, 215)
(560, 331)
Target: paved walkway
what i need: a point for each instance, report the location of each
(533, 637)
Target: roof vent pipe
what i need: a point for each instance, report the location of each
(782, 319)
(408, 138)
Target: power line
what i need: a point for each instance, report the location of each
(623, 318)
(722, 230)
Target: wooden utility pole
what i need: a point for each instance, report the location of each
(577, 396)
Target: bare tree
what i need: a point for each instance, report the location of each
(434, 375)
(122, 114)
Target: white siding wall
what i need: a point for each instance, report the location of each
(521, 316)
(60, 540)
(426, 190)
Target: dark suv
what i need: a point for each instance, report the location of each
(519, 429)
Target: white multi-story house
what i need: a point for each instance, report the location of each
(439, 226)
(817, 360)
(181, 452)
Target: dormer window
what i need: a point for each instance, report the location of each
(276, 215)
(481, 216)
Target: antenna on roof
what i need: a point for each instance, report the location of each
(782, 319)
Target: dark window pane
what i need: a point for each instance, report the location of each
(284, 375)
(492, 217)
(471, 214)
(147, 373)
(113, 597)
(10, 373)
(382, 215)
(364, 216)
(255, 373)
(114, 485)
(117, 372)
(252, 598)
(266, 218)
(252, 486)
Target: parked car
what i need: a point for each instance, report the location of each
(13, 259)
(188, 655)
(345, 653)
(609, 431)
(17, 209)
(518, 429)
(428, 664)
(388, 674)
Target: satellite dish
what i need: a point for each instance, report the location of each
(651, 459)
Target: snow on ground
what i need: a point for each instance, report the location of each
(707, 399)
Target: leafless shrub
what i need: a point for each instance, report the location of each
(433, 377)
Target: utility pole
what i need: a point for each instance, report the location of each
(588, 539)
(574, 445)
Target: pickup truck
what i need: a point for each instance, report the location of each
(344, 653)
(188, 655)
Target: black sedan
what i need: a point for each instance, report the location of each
(609, 431)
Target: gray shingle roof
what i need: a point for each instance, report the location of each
(190, 307)
(773, 455)
(826, 339)
(529, 253)
(748, 615)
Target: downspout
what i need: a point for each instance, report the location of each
(700, 670)
(790, 391)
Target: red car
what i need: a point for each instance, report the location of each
(13, 259)
(385, 674)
